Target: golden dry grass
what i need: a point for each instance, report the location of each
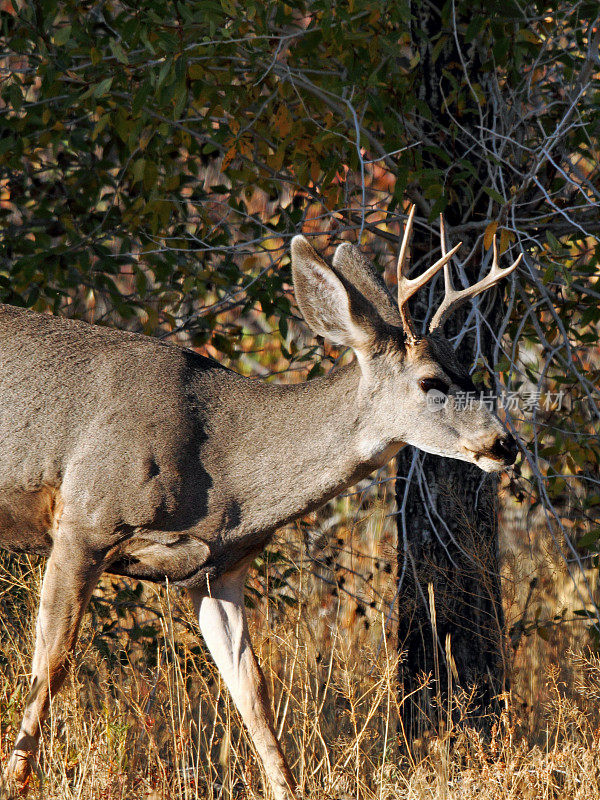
(146, 716)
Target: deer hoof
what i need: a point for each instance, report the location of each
(17, 776)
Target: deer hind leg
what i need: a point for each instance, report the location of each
(71, 575)
(222, 618)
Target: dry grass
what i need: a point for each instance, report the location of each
(148, 717)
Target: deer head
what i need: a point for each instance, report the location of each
(416, 390)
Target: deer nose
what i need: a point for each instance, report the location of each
(505, 448)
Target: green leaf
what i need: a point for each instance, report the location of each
(141, 96)
(98, 90)
(590, 539)
(62, 35)
(118, 52)
(494, 195)
(553, 241)
(137, 170)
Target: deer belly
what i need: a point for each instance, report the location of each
(156, 555)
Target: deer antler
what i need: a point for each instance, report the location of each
(453, 298)
(408, 286)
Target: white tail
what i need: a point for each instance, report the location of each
(119, 453)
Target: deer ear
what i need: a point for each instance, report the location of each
(324, 300)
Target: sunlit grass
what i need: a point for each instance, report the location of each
(144, 713)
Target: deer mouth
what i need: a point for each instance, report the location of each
(502, 452)
(489, 460)
(486, 462)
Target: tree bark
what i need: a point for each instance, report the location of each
(449, 595)
(451, 624)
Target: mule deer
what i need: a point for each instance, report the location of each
(123, 454)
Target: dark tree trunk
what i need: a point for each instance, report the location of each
(448, 541)
(449, 568)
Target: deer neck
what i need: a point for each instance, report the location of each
(306, 442)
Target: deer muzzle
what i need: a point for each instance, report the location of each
(505, 449)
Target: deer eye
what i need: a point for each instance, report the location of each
(428, 384)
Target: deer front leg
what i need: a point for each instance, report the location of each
(222, 618)
(70, 577)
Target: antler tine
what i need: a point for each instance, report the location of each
(448, 285)
(453, 298)
(405, 242)
(408, 286)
